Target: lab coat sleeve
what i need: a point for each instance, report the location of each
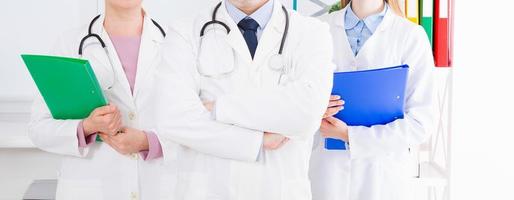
(48, 134)
(55, 136)
(418, 122)
(182, 118)
(295, 108)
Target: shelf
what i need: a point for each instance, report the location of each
(14, 118)
(16, 142)
(14, 135)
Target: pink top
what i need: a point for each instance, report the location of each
(127, 48)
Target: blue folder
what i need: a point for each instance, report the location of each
(372, 97)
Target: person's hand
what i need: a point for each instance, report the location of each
(128, 141)
(209, 105)
(335, 105)
(105, 119)
(332, 127)
(273, 141)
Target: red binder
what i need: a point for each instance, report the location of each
(451, 21)
(442, 33)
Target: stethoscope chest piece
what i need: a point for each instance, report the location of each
(217, 58)
(276, 63)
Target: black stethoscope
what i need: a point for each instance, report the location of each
(276, 62)
(90, 34)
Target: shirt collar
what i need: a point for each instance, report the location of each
(261, 15)
(351, 20)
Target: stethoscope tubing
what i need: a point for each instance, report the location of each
(215, 21)
(90, 34)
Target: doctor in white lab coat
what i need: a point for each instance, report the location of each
(376, 165)
(225, 154)
(119, 167)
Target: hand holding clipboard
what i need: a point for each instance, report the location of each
(371, 97)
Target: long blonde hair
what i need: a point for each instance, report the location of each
(392, 3)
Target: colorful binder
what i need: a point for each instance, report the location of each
(441, 34)
(427, 19)
(371, 97)
(68, 85)
(412, 10)
(451, 11)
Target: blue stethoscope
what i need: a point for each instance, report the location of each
(276, 62)
(90, 34)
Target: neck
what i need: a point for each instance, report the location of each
(365, 8)
(248, 6)
(123, 21)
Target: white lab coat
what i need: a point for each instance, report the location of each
(375, 166)
(98, 171)
(217, 159)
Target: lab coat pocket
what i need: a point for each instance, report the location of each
(167, 186)
(296, 189)
(79, 189)
(191, 186)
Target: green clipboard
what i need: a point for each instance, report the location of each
(426, 17)
(68, 85)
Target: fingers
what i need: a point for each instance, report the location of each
(124, 129)
(284, 141)
(274, 141)
(329, 133)
(335, 103)
(106, 138)
(333, 120)
(326, 126)
(116, 123)
(279, 143)
(209, 105)
(112, 123)
(334, 97)
(116, 142)
(332, 111)
(106, 110)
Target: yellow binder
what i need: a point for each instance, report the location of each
(412, 10)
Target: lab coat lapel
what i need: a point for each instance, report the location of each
(272, 34)
(117, 69)
(235, 38)
(338, 20)
(151, 39)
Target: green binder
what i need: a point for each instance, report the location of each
(68, 85)
(427, 19)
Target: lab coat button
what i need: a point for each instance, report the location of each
(131, 116)
(134, 156)
(133, 195)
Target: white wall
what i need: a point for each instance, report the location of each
(31, 26)
(483, 143)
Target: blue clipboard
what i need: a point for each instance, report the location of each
(372, 97)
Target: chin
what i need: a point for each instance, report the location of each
(124, 4)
